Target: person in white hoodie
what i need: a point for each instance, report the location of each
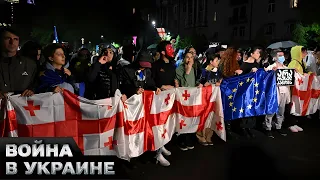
(283, 97)
(311, 61)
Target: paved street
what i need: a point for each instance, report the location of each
(296, 156)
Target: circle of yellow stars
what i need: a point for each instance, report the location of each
(254, 100)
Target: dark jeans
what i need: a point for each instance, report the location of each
(186, 139)
(249, 122)
(294, 120)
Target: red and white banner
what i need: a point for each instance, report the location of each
(305, 95)
(162, 32)
(111, 127)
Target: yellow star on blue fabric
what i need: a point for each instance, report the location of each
(255, 100)
(230, 97)
(256, 84)
(231, 104)
(240, 83)
(234, 90)
(241, 110)
(234, 109)
(257, 92)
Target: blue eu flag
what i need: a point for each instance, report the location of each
(249, 95)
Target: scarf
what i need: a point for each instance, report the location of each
(51, 78)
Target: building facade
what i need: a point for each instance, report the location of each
(237, 22)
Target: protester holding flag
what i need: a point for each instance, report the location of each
(298, 53)
(229, 67)
(164, 73)
(248, 66)
(17, 72)
(137, 77)
(186, 77)
(55, 77)
(283, 96)
(209, 76)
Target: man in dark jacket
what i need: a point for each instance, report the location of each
(137, 77)
(17, 73)
(164, 73)
(134, 79)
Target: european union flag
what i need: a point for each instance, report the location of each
(249, 95)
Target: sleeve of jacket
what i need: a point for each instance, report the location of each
(179, 76)
(151, 85)
(93, 72)
(35, 81)
(126, 84)
(202, 78)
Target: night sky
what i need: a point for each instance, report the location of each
(84, 18)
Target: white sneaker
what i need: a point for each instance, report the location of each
(293, 129)
(162, 160)
(165, 151)
(298, 128)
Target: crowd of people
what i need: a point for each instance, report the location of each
(98, 77)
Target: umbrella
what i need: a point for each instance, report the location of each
(152, 46)
(282, 44)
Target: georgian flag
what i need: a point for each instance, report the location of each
(109, 126)
(305, 95)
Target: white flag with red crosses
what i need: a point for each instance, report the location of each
(305, 95)
(109, 126)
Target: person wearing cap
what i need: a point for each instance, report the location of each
(137, 77)
(164, 73)
(17, 73)
(134, 79)
(283, 96)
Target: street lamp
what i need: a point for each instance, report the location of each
(101, 36)
(169, 33)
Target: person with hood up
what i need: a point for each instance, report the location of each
(137, 77)
(298, 53)
(55, 78)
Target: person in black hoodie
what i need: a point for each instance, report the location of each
(101, 78)
(137, 77)
(164, 73)
(134, 79)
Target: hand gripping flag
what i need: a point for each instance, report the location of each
(249, 95)
(305, 95)
(145, 122)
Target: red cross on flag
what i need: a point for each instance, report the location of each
(108, 127)
(162, 32)
(305, 95)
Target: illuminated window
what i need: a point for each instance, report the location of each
(215, 16)
(271, 6)
(294, 3)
